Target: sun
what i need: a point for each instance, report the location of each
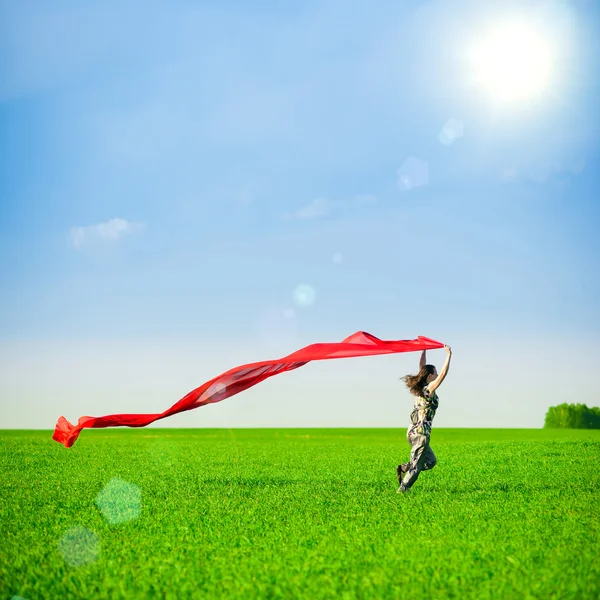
(512, 62)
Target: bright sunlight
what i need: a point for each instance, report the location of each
(512, 62)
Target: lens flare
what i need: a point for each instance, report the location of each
(413, 173)
(79, 546)
(119, 501)
(452, 130)
(304, 295)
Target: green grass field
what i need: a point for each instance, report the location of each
(296, 513)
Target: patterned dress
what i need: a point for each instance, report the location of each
(423, 413)
(422, 457)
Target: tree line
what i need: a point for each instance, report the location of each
(573, 416)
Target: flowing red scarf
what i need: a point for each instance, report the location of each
(241, 378)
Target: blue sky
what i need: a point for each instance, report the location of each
(171, 173)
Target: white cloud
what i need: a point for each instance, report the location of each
(112, 229)
(362, 199)
(317, 208)
(542, 171)
(509, 175)
(244, 196)
(578, 167)
(320, 207)
(252, 114)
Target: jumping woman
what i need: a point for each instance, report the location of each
(423, 386)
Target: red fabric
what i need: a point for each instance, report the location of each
(241, 378)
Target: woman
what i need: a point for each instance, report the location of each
(423, 386)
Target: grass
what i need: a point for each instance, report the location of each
(287, 513)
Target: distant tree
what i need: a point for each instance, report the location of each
(573, 416)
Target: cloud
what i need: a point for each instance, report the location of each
(319, 207)
(364, 199)
(251, 114)
(108, 231)
(509, 175)
(542, 171)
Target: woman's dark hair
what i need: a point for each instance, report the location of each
(415, 383)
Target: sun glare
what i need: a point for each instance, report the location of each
(512, 62)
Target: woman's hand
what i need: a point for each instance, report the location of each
(447, 349)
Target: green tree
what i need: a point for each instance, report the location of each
(573, 416)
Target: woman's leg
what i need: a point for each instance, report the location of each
(419, 445)
(401, 469)
(429, 459)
